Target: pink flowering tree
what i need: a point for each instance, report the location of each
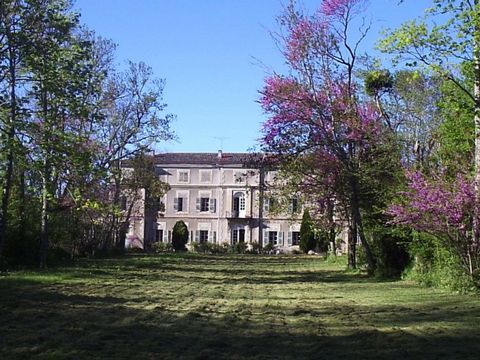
(329, 140)
(444, 209)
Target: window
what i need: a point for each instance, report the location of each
(239, 202)
(273, 237)
(159, 235)
(269, 204)
(206, 176)
(203, 236)
(295, 237)
(178, 204)
(238, 235)
(183, 176)
(294, 205)
(204, 204)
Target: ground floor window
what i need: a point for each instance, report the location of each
(273, 237)
(295, 237)
(159, 235)
(238, 235)
(203, 236)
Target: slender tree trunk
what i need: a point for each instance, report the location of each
(352, 245)
(44, 240)
(476, 64)
(7, 183)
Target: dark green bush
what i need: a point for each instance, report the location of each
(179, 236)
(307, 234)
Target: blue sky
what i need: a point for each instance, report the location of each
(214, 55)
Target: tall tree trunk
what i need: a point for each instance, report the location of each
(476, 64)
(352, 244)
(11, 122)
(44, 240)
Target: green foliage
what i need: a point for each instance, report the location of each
(456, 134)
(161, 247)
(268, 248)
(378, 81)
(307, 233)
(179, 236)
(254, 248)
(437, 266)
(390, 246)
(238, 248)
(210, 248)
(322, 237)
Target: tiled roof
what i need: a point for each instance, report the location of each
(205, 158)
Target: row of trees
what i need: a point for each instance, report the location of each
(67, 120)
(392, 154)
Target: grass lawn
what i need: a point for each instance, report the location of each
(229, 307)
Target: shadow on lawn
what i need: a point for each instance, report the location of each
(45, 324)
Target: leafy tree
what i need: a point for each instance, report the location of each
(179, 236)
(67, 122)
(444, 47)
(12, 46)
(443, 209)
(307, 233)
(320, 124)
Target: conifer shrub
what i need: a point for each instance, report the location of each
(307, 234)
(179, 236)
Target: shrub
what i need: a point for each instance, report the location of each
(160, 247)
(253, 248)
(268, 248)
(238, 248)
(179, 236)
(307, 235)
(210, 248)
(436, 265)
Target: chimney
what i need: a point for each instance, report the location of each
(219, 155)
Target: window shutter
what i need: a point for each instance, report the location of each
(198, 204)
(280, 238)
(169, 236)
(165, 236)
(212, 204)
(175, 204)
(197, 236)
(265, 237)
(231, 236)
(214, 236)
(266, 205)
(289, 238)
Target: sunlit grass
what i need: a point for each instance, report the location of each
(210, 307)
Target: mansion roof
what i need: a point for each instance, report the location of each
(220, 159)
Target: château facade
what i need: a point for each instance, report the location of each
(221, 199)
